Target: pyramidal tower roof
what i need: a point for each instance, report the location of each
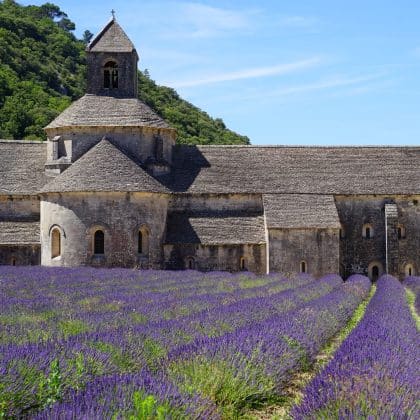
(111, 38)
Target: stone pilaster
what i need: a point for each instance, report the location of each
(392, 248)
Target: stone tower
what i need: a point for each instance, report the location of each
(110, 109)
(112, 63)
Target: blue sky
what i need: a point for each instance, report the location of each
(313, 72)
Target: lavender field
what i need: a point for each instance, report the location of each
(98, 344)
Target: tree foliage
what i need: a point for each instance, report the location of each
(43, 69)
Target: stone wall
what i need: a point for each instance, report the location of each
(137, 142)
(216, 257)
(127, 74)
(20, 254)
(19, 208)
(318, 248)
(248, 203)
(359, 254)
(119, 215)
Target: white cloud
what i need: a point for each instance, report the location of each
(298, 21)
(190, 19)
(207, 21)
(326, 84)
(250, 73)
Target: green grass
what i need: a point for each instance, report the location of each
(411, 298)
(214, 379)
(72, 327)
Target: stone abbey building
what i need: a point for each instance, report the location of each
(110, 188)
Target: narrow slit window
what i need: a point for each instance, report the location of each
(190, 263)
(107, 79)
(367, 232)
(409, 270)
(55, 243)
(99, 243)
(143, 241)
(303, 267)
(401, 232)
(140, 243)
(375, 273)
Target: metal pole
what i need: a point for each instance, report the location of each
(386, 241)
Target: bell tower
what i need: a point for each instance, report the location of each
(112, 63)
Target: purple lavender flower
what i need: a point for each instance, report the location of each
(375, 373)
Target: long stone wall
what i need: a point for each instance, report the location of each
(247, 203)
(216, 257)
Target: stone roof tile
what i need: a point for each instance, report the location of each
(301, 170)
(22, 167)
(300, 211)
(104, 168)
(215, 228)
(111, 38)
(93, 111)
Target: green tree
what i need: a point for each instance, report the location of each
(43, 69)
(87, 36)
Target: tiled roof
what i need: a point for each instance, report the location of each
(22, 167)
(19, 233)
(300, 211)
(111, 38)
(229, 169)
(215, 228)
(94, 111)
(104, 168)
(300, 170)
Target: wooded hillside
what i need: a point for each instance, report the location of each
(42, 70)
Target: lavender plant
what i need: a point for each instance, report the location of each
(413, 283)
(62, 329)
(375, 373)
(88, 343)
(251, 365)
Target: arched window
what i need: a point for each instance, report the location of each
(401, 232)
(409, 270)
(367, 231)
(111, 75)
(189, 263)
(242, 263)
(375, 270)
(143, 241)
(303, 267)
(55, 243)
(140, 243)
(13, 261)
(342, 233)
(99, 243)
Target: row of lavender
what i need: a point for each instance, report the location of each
(375, 373)
(129, 345)
(413, 284)
(203, 375)
(41, 304)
